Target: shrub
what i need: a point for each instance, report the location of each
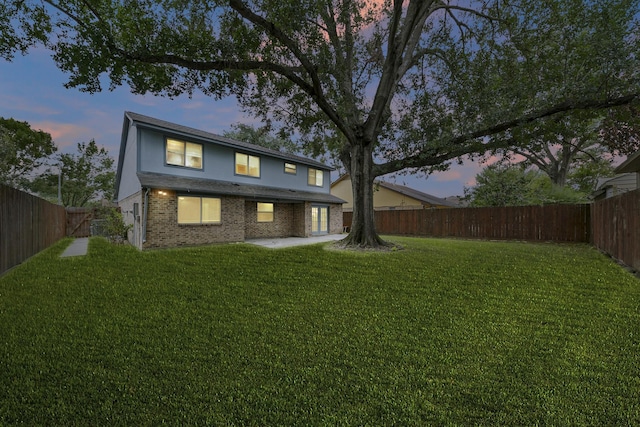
(114, 227)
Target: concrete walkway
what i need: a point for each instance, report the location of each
(77, 248)
(80, 246)
(286, 242)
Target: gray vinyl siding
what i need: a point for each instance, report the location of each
(129, 183)
(219, 164)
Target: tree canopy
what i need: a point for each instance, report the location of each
(81, 177)
(385, 85)
(514, 185)
(262, 137)
(560, 145)
(22, 152)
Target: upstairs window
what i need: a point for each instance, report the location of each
(265, 212)
(247, 165)
(290, 168)
(315, 177)
(182, 153)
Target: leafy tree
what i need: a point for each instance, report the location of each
(542, 192)
(588, 167)
(562, 142)
(568, 143)
(555, 144)
(385, 85)
(499, 185)
(514, 185)
(261, 137)
(620, 130)
(84, 177)
(22, 152)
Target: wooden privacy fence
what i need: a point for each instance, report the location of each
(615, 227)
(79, 221)
(28, 225)
(555, 223)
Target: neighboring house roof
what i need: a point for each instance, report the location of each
(612, 186)
(150, 122)
(458, 201)
(407, 191)
(418, 195)
(211, 186)
(632, 164)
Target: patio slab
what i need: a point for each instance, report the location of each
(286, 242)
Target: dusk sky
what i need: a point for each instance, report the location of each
(33, 90)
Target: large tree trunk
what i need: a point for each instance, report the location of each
(363, 231)
(557, 170)
(560, 178)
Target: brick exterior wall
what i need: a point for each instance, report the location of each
(335, 219)
(239, 221)
(134, 236)
(301, 216)
(282, 225)
(163, 230)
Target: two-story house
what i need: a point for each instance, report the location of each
(179, 186)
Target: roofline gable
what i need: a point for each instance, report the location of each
(204, 136)
(132, 119)
(632, 164)
(126, 125)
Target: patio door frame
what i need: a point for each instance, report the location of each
(319, 218)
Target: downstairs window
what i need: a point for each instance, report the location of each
(265, 212)
(198, 210)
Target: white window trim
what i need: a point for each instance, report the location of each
(184, 154)
(318, 172)
(272, 212)
(201, 222)
(248, 156)
(291, 166)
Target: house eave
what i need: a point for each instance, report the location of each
(123, 146)
(632, 164)
(201, 186)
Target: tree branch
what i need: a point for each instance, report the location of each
(344, 60)
(468, 144)
(450, 7)
(279, 35)
(401, 44)
(315, 89)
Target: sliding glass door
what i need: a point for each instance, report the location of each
(319, 219)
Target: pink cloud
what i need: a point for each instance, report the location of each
(471, 169)
(493, 159)
(64, 134)
(448, 175)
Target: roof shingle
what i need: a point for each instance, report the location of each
(224, 188)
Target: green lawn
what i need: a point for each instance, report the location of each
(444, 332)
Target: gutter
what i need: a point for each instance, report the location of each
(144, 215)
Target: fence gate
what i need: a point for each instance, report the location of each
(79, 221)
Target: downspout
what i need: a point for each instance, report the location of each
(144, 216)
